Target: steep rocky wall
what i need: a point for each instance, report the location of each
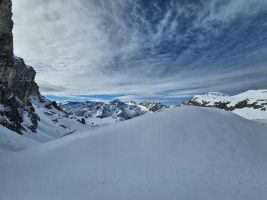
(6, 38)
(16, 78)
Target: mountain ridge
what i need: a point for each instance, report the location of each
(251, 104)
(116, 109)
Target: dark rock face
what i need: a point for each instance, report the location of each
(223, 105)
(242, 104)
(16, 78)
(6, 37)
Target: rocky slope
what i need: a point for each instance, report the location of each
(6, 37)
(251, 104)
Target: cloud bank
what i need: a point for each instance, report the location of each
(143, 48)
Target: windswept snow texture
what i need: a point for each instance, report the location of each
(12, 141)
(251, 104)
(185, 153)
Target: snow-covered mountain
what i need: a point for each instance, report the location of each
(118, 110)
(51, 122)
(180, 153)
(251, 104)
(24, 111)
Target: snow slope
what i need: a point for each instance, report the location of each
(53, 123)
(12, 141)
(250, 105)
(185, 153)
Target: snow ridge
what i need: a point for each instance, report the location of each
(181, 153)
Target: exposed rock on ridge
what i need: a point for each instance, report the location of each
(251, 104)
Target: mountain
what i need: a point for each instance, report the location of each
(16, 78)
(179, 153)
(22, 108)
(251, 104)
(183, 152)
(116, 109)
(52, 123)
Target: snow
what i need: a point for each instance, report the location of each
(118, 110)
(254, 94)
(11, 141)
(252, 114)
(53, 123)
(98, 122)
(2, 108)
(259, 97)
(183, 153)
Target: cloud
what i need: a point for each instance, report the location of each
(143, 48)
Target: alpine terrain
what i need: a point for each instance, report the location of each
(251, 104)
(77, 150)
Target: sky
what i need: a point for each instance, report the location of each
(143, 49)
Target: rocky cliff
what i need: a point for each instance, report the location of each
(6, 38)
(16, 78)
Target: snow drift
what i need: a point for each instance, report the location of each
(184, 153)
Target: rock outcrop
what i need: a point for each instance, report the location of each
(16, 79)
(6, 37)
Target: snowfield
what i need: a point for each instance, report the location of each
(12, 141)
(185, 153)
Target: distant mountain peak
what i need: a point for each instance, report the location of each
(116, 109)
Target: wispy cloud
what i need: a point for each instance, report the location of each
(143, 48)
